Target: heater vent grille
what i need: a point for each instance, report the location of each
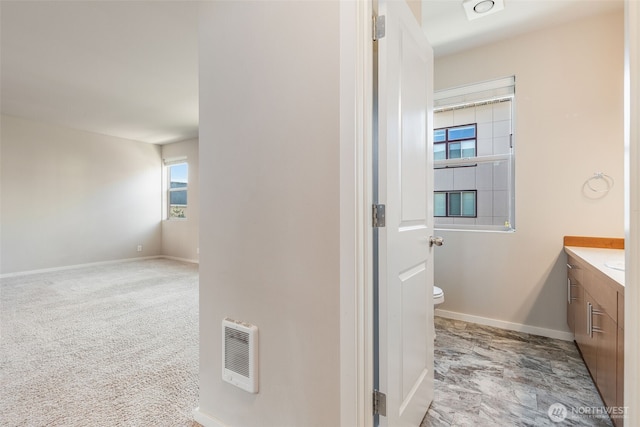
(239, 354)
(236, 352)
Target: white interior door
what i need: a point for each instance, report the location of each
(405, 186)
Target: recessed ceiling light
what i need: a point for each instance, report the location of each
(478, 8)
(484, 6)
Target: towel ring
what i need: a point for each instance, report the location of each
(603, 176)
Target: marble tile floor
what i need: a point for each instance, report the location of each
(486, 376)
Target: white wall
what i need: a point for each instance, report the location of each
(269, 233)
(180, 237)
(72, 197)
(568, 125)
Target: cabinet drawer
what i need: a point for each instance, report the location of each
(574, 270)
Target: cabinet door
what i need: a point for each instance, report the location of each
(620, 376)
(606, 332)
(585, 342)
(571, 304)
(619, 422)
(574, 274)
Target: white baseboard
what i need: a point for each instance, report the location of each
(175, 258)
(518, 327)
(71, 267)
(205, 419)
(91, 264)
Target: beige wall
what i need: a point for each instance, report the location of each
(568, 125)
(269, 241)
(72, 197)
(180, 237)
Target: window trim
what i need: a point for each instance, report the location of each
(475, 95)
(168, 206)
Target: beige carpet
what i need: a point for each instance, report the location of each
(112, 345)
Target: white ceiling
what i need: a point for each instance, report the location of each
(449, 31)
(130, 68)
(121, 68)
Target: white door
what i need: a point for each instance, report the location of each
(405, 186)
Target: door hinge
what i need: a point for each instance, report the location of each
(378, 216)
(378, 27)
(379, 403)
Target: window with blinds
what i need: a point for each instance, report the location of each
(473, 148)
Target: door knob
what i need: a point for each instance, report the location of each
(438, 241)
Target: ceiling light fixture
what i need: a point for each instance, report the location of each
(484, 6)
(478, 8)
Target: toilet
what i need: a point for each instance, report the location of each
(438, 298)
(438, 295)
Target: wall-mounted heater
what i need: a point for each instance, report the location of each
(240, 354)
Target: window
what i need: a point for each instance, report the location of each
(455, 204)
(473, 150)
(178, 178)
(455, 142)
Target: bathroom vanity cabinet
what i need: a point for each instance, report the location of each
(595, 314)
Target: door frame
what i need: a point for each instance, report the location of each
(356, 200)
(632, 215)
(356, 329)
(356, 245)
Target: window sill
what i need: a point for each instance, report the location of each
(476, 230)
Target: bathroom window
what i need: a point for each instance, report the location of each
(473, 151)
(177, 183)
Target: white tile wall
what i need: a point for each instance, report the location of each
(443, 180)
(485, 131)
(485, 206)
(464, 116)
(443, 120)
(465, 221)
(502, 111)
(501, 144)
(484, 114)
(484, 176)
(501, 128)
(501, 204)
(501, 176)
(485, 146)
(464, 179)
(443, 221)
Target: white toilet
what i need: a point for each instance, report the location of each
(438, 296)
